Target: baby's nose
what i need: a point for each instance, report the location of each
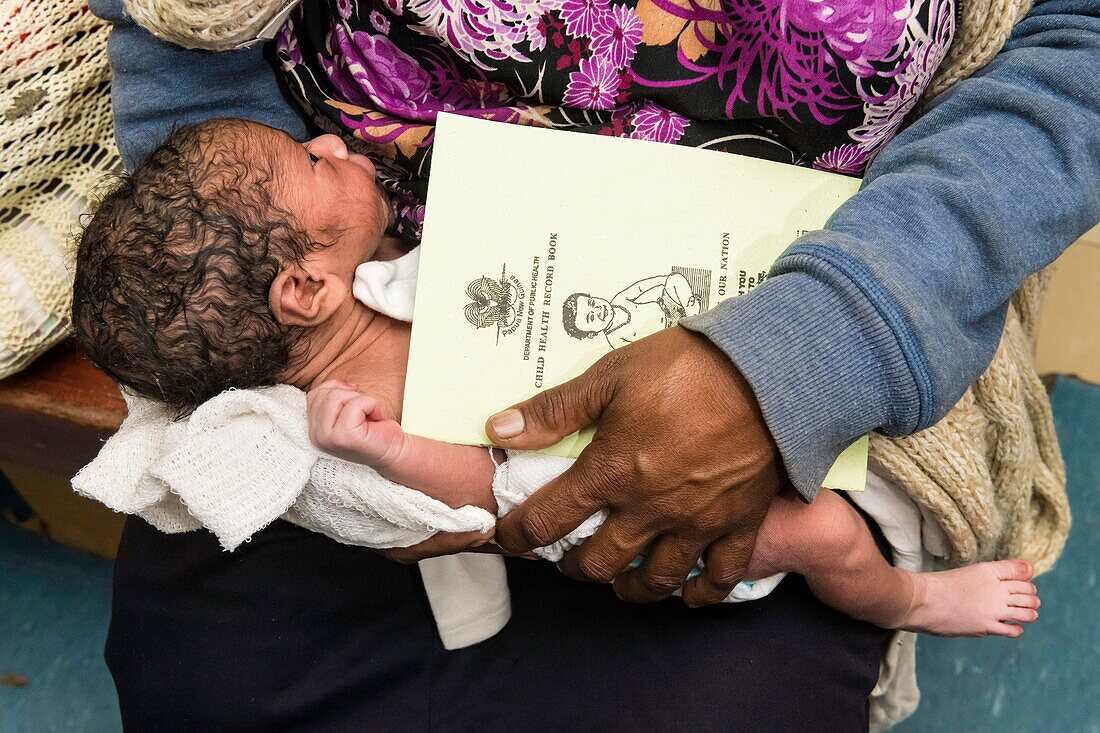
(328, 145)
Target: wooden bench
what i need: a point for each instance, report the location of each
(55, 415)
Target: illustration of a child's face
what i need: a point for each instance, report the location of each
(593, 314)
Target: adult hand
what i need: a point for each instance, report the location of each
(443, 543)
(681, 458)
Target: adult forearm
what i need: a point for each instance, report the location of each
(157, 88)
(881, 321)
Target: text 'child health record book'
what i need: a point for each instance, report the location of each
(543, 250)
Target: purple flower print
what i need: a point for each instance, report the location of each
(474, 29)
(593, 86)
(885, 112)
(790, 50)
(382, 76)
(409, 217)
(847, 159)
(580, 16)
(286, 47)
(343, 7)
(616, 34)
(654, 122)
(380, 22)
(462, 88)
(535, 24)
(858, 31)
(394, 6)
(536, 35)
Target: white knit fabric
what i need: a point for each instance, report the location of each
(520, 476)
(388, 286)
(212, 25)
(524, 473)
(244, 459)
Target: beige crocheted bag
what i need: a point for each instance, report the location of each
(56, 144)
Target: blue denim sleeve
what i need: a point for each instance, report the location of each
(157, 87)
(884, 318)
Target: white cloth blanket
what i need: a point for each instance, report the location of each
(243, 459)
(388, 286)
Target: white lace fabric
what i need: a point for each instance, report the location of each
(242, 460)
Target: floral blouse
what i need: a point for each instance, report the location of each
(823, 83)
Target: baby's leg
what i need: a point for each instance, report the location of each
(828, 542)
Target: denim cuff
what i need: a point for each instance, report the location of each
(825, 365)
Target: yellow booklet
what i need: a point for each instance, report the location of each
(544, 250)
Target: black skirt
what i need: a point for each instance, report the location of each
(295, 632)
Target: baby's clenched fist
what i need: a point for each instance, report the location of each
(350, 425)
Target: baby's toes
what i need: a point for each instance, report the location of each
(1018, 587)
(1023, 615)
(1016, 569)
(1024, 600)
(1003, 629)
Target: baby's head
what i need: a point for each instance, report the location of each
(217, 260)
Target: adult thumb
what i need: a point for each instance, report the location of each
(550, 415)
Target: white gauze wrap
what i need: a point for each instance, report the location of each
(242, 460)
(388, 286)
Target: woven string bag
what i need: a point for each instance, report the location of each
(213, 25)
(56, 145)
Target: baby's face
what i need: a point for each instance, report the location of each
(333, 194)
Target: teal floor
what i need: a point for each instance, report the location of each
(54, 605)
(1048, 680)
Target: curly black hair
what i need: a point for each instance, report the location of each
(569, 318)
(173, 271)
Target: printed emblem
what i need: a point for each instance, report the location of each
(495, 303)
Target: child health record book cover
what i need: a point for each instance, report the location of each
(543, 250)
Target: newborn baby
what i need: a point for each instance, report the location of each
(227, 260)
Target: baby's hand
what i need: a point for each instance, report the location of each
(350, 425)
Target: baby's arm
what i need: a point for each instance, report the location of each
(349, 425)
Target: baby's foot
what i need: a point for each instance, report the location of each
(976, 600)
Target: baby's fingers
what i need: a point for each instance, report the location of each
(354, 412)
(335, 384)
(444, 543)
(326, 409)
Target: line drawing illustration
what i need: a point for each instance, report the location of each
(641, 308)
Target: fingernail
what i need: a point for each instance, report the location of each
(507, 424)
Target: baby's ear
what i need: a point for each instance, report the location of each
(300, 298)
